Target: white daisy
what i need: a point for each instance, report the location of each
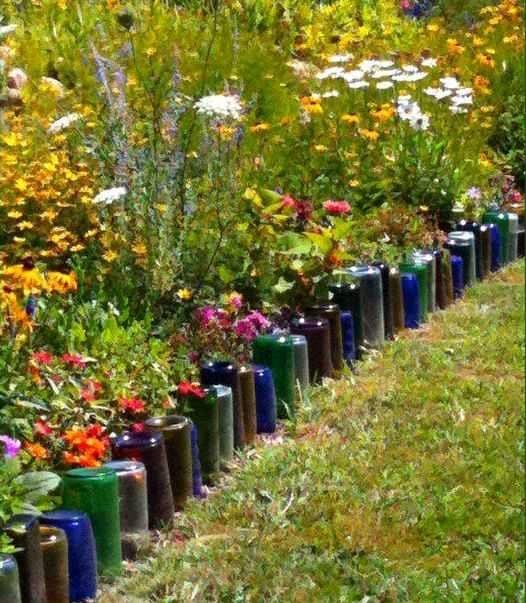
(110, 195)
(438, 93)
(409, 68)
(384, 85)
(450, 82)
(462, 100)
(331, 73)
(354, 75)
(330, 94)
(381, 73)
(359, 84)
(340, 58)
(63, 123)
(430, 62)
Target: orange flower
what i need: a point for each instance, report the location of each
(36, 450)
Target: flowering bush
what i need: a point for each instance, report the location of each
(172, 176)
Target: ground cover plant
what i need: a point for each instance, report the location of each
(405, 485)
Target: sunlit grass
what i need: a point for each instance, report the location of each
(405, 484)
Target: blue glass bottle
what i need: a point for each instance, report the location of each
(266, 407)
(411, 294)
(457, 269)
(495, 247)
(349, 350)
(81, 551)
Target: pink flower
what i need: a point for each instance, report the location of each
(337, 208)
(206, 315)
(258, 320)
(288, 201)
(245, 329)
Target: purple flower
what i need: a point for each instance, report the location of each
(474, 193)
(11, 446)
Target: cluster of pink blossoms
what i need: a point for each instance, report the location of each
(246, 327)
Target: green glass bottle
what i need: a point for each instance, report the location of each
(204, 413)
(277, 352)
(421, 271)
(96, 492)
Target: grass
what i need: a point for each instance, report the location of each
(403, 482)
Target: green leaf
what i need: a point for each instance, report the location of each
(282, 285)
(38, 483)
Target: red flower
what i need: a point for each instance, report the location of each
(185, 388)
(337, 208)
(89, 392)
(73, 360)
(304, 210)
(133, 405)
(42, 357)
(42, 428)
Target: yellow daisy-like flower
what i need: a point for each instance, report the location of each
(320, 148)
(110, 256)
(14, 214)
(25, 225)
(184, 294)
(263, 127)
(371, 135)
(350, 119)
(139, 249)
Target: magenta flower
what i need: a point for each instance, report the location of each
(258, 320)
(206, 315)
(11, 446)
(245, 329)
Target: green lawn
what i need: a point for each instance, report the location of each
(403, 482)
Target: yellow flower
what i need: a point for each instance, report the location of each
(350, 118)
(371, 135)
(433, 27)
(184, 294)
(226, 132)
(59, 282)
(320, 148)
(150, 52)
(20, 185)
(453, 47)
(25, 225)
(260, 128)
(384, 114)
(486, 60)
(311, 104)
(110, 256)
(139, 249)
(14, 214)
